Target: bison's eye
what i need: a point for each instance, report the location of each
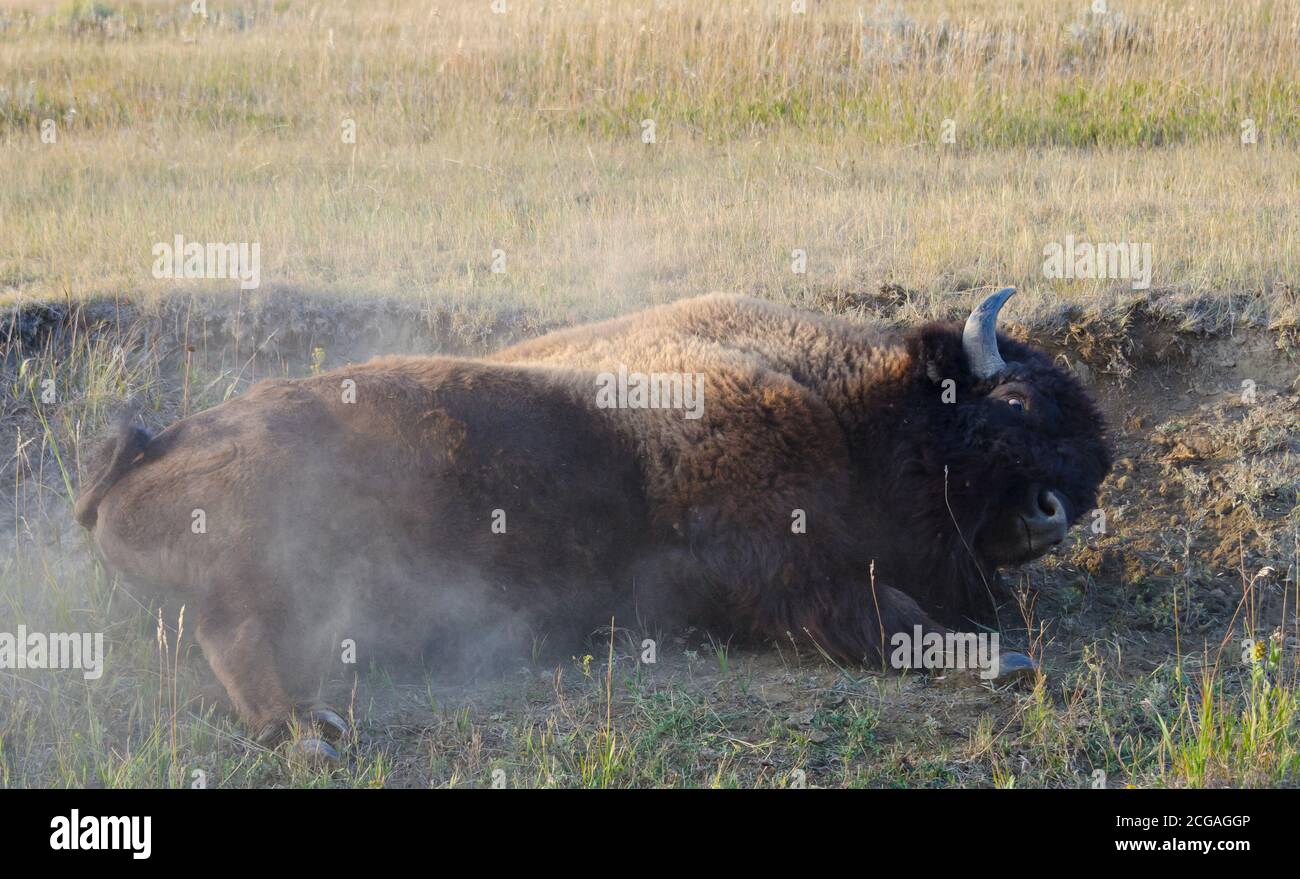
(1016, 403)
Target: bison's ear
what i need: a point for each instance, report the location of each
(936, 350)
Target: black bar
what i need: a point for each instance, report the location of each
(1065, 827)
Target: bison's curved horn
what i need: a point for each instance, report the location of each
(979, 340)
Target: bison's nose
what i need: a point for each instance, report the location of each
(1046, 522)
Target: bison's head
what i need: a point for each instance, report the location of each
(1023, 443)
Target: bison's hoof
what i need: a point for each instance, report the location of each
(1014, 667)
(335, 727)
(316, 752)
(314, 735)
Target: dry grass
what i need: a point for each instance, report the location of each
(1017, 73)
(615, 228)
(522, 132)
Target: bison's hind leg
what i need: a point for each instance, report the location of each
(242, 654)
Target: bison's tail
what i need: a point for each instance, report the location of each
(127, 443)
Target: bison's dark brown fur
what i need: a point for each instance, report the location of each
(373, 519)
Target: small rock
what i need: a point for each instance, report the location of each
(1202, 444)
(801, 718)
(832, 700)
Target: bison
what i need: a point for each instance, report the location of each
(835, 484)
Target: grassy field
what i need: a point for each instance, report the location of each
(609, 155)
(473, 132)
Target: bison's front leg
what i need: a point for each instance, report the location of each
(859, 623)
(900, 614)
(242, 655)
